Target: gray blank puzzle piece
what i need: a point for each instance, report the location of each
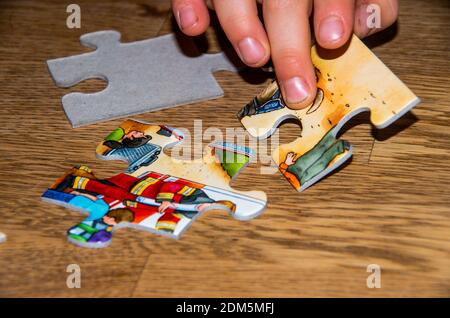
(142, 76)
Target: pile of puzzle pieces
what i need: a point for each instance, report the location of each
(155, 193)
(163, 196)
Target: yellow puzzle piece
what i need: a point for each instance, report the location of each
(354, 82)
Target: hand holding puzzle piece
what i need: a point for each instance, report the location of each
(355, 82)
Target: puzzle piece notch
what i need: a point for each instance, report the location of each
(154, 197)
(142, 76)
(355, 82)
(101, 40)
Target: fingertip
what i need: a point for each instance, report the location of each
(252, 52)
(374, 17)
(240, 22)
(333, 22)
(198, 28)
(299, 90)
(298, 95)
(360, 25)
(192, 16)
(332, 32)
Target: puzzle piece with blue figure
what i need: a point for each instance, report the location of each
(156, 193)
(347, 84)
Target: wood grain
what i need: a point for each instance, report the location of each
(390, 206)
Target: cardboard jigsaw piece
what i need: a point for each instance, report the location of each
(355, 82)
(156, 193)
(2, 237)
(142, 76)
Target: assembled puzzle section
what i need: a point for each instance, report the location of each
(142, 76)
(157, 193)
(355, 82)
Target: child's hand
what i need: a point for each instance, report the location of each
(286, 37)
(290, 158)
(164, 206)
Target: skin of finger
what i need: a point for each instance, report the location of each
(343, 9)
(388, 15)
(288, 29)
(239, 20)
(210, 3)
(201, 12)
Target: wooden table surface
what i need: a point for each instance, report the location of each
(389, 206)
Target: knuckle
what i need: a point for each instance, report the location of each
(236, 20)
(288, 57)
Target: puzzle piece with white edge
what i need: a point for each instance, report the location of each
(354, 82)
(142, 76)
(156, 193)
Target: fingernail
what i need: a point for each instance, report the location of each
(251, 50)
(362, 30)
(295, 90)
(331, 29)
(187, 17)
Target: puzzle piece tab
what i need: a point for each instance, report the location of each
(355, 82)
(142, 76)
(156, 193)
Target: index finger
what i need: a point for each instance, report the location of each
(287, 24)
